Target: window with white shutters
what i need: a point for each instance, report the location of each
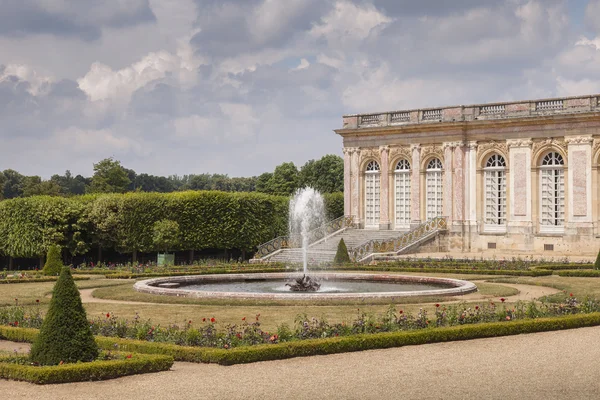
(552, 193)
(433, 179)
(402, 194)
(372, 189)
(495, 193)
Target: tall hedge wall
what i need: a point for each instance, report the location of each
(207, 219)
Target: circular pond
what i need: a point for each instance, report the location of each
(272, 286)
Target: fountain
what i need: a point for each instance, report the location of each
(307, 212)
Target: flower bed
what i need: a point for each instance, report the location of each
(110, 365)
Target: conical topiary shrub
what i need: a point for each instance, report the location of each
(65, 334)
(341, 257)
(54, 263)
(597, 263)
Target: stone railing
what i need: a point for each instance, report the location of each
(366, 250)
(295, 241)
(517, 109)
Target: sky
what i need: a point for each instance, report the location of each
(240, 86)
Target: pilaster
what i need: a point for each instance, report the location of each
(347, 180)
(415, 186)
(579, 181)
(384, 208)
(519, 151)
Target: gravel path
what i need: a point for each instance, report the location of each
(551, 365)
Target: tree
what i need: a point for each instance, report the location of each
(34, 186)
(325, 175)
(65, 335)
(109, 177)
(597, 263)
(282, 182)
(12, 184)
(166, 234)
(70, 185)
(54, 263)
(262, 182)
(341, 256)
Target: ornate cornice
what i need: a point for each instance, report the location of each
(518, 143)
(578, 139)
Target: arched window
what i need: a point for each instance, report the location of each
(433, 178)
(552, 193)
(495, 192)
(372, 188)
(402, 194)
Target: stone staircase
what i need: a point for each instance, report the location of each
(363, 245)
(323, 251)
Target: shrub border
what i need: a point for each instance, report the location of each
(92, 371)
(312, 347)
(36, 280)
(590, 273)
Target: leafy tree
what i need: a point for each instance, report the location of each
(34, 186)
(12, 185)
(166, 234)
(325, 175)
(70, 185)
(151, 183)
(65, 335)
(54, 263)
(262, 182)
(341, 256)
(109, 177)
(283, 181)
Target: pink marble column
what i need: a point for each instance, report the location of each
(354, 201)
(384, 208)
(459, 183)
(415, 185)
(347, 181)
(447, 194)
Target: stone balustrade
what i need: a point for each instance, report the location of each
(507, 110)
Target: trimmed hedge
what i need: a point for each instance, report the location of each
(562, 267)
(311, 347)
(589, 273)
(535, 272)
(90, 371)
(126, 275)
(45, 279)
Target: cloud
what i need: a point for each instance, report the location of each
(79, 19)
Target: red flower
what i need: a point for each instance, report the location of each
(37, 300)
(212, 320)
(107, 315)
(239, 335)
(477, 307)
(128, 355)
(437, 305)
(16, 323)
(571, 295)
(190, 322)
(243, 319)
(401, 312)
(203, 319)
(502, 299)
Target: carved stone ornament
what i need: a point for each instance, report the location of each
(500, 147)
(578, 139)
(371, 153)
(432, 150)
(397, 152)
(518, 143)
(595, 146)
(539, 145)
(384, 148)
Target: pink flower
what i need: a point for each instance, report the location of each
(508, 317)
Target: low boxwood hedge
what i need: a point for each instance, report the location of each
(561, 267)
(44, 279)
(127, 275)
(585, 273)
(91, 371)
(311, 347)
(533, 272)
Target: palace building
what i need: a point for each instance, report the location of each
(515, 178)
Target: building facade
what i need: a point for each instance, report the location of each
(518, 177)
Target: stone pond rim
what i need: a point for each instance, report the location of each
(453, 287)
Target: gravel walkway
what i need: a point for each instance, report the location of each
(551, 365)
